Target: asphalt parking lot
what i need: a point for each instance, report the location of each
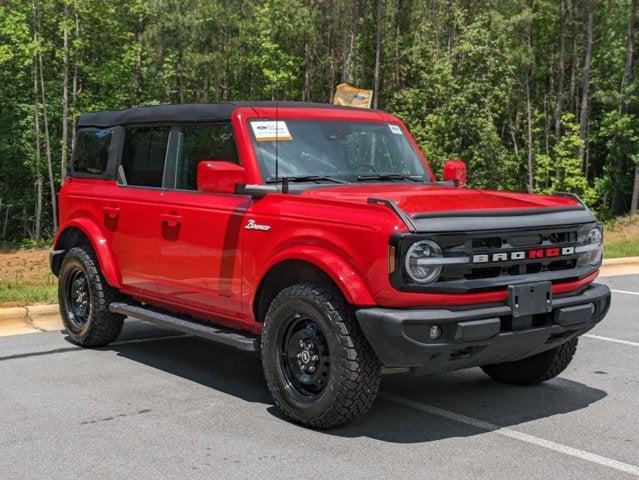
(157, 405)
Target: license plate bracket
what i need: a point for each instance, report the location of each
(530, 298)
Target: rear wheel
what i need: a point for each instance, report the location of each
(84, 298)
(318, 366)
(535, 369)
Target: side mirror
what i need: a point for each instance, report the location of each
(455, 170)
(219, 176)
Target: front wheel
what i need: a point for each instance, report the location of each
(535, 369)
(318, 366)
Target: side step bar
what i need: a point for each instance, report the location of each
(193, 327)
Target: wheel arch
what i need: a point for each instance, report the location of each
(316, 267)
(79, 232)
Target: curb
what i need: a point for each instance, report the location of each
(34, 318)
(619, 266)
(620, 261)
(13, 313)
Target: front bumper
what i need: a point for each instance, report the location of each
(479, 336)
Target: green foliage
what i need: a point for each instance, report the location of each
(458, 73)
(562, 171)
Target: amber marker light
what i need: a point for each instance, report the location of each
(391, 259)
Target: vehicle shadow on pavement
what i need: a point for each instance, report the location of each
(211, 365)
(467, 392)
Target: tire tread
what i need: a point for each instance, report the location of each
(105, 326)
(535, 369)
(359, 367)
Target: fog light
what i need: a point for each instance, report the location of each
(435, 332)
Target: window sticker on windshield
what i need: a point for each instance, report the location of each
(395, 129)
(269, 131)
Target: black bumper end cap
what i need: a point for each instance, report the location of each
(55, 260)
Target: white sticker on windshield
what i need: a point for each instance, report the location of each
(395, 129)
(269, 131)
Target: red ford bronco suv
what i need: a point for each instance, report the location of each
(319, 237)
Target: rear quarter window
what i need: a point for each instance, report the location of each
(92, 151)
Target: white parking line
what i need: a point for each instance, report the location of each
(615, 340)
(507, 432)
(625, 291)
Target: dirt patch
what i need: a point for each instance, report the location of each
(25, 278)
(622, 229)
(25, 267)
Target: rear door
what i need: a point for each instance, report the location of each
(199, 261)
(133, 207)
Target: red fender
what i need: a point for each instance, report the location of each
(100, 246)
(344, 275)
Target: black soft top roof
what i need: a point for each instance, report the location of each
(181, 113)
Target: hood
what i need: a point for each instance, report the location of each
(433, 198)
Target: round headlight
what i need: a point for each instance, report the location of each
(595, 237)
(419, 266)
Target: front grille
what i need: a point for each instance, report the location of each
(491, 274)
(482, 244)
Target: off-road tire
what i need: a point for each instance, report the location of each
(353, 377)
(535, 369)
(101, 326)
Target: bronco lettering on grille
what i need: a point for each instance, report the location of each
(537, 253)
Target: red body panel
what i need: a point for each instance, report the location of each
(204, 253)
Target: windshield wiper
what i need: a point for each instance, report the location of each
(305, 178)
(387, 176)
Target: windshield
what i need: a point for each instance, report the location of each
(342, 150)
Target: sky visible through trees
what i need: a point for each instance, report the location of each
(537, 95)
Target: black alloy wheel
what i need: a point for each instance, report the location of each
(77, 298)
(318, 366)
(84, 297)
(304, 361)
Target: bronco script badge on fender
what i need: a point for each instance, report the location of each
(251, 225)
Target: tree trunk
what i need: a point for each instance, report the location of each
(635, 192)
(585, 88)
(560, 68)
(306, 92)
(625, 80)
(225, 70)
(47, 138)
(348, 46)
(574, 62)
(331, 56)
(513, 136)
(38, 173)
(378, 48)
(6, 221)
(397, 75)
(630, 52)
(65, 93)
(529, 111)
(74, 84)
(530, 146)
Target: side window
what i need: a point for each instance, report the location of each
(92, 151)
(202, 142)
(143, 156)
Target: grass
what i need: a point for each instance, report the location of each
(21, 294)
(621, 238)
(25, 278)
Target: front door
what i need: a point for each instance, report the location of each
(199, 259)
(132, 208)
